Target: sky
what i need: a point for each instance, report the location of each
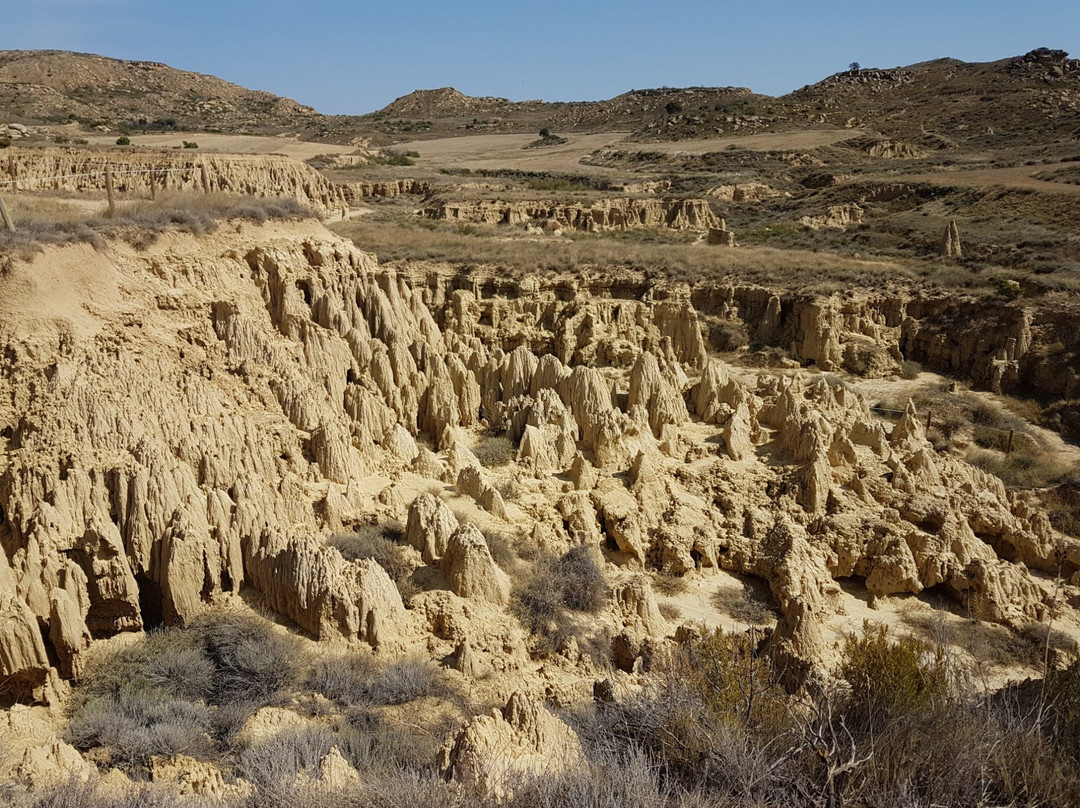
(356, 57)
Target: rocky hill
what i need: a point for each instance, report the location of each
(1034, 96)
(58, 86)
(1023, 97)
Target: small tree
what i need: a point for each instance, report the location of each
(854, 67)
(673, 107)
(123, 140)
(545, 133)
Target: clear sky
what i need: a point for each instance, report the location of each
(355, 57)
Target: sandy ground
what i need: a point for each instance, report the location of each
(507, 151)
(227, 144)
(1011, 177)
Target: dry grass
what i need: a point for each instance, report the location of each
(668, 255)
(45, 220)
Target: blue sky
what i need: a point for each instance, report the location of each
(355, 57)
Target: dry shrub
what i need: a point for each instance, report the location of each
(182, 690)
(752, 604)
(551, 590)
(361, 679)
(669, 585)
(42, 222)
(494, 451)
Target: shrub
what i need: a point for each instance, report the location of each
(572, 581)
(343, 678)
(253, 662)
(189, 144)
(5, 142)
(180, 688)
(142, 725)
(123, 140)
(360, 679)
(890, 679)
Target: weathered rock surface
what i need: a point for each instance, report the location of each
(470, 570)
(522, 741)
(202, 415)
(621, 213)
(81, 170)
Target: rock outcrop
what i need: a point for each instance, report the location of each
(210, 426)
(522, 741)
(950, 246)
(605, 214)
(62, 169)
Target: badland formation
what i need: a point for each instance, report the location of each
(694, 447)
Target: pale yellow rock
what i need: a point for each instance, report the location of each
(470, 570)
(522, 741)
(429, 527)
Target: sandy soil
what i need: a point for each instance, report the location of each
(507, 151)
(228, 144)
(1011, 177)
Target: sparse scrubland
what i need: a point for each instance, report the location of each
(899, 722)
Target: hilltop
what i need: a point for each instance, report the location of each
(1027, 97)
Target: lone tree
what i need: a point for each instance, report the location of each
(854, 67)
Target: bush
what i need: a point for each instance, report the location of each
(573, 581)
(892, 679)
(179, 689)
(360, 679)
(123, 140)
(189, 144)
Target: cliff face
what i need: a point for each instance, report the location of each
(200, 416)
(82, 170)
(605, 214)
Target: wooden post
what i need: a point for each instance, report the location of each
(8, 224)
(153, 184)
(1008, 447)
(929, 419)
(109, 191)
(205, 179)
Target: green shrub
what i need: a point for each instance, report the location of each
(123, 140)
(189, 144)
(890, 679)
(5, 142)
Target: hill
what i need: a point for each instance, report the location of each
(59, 86)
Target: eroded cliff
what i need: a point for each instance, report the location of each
(201, 416)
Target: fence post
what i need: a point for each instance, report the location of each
(109, 191)
(8, 224)
(1008, 447)
(205, 179)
